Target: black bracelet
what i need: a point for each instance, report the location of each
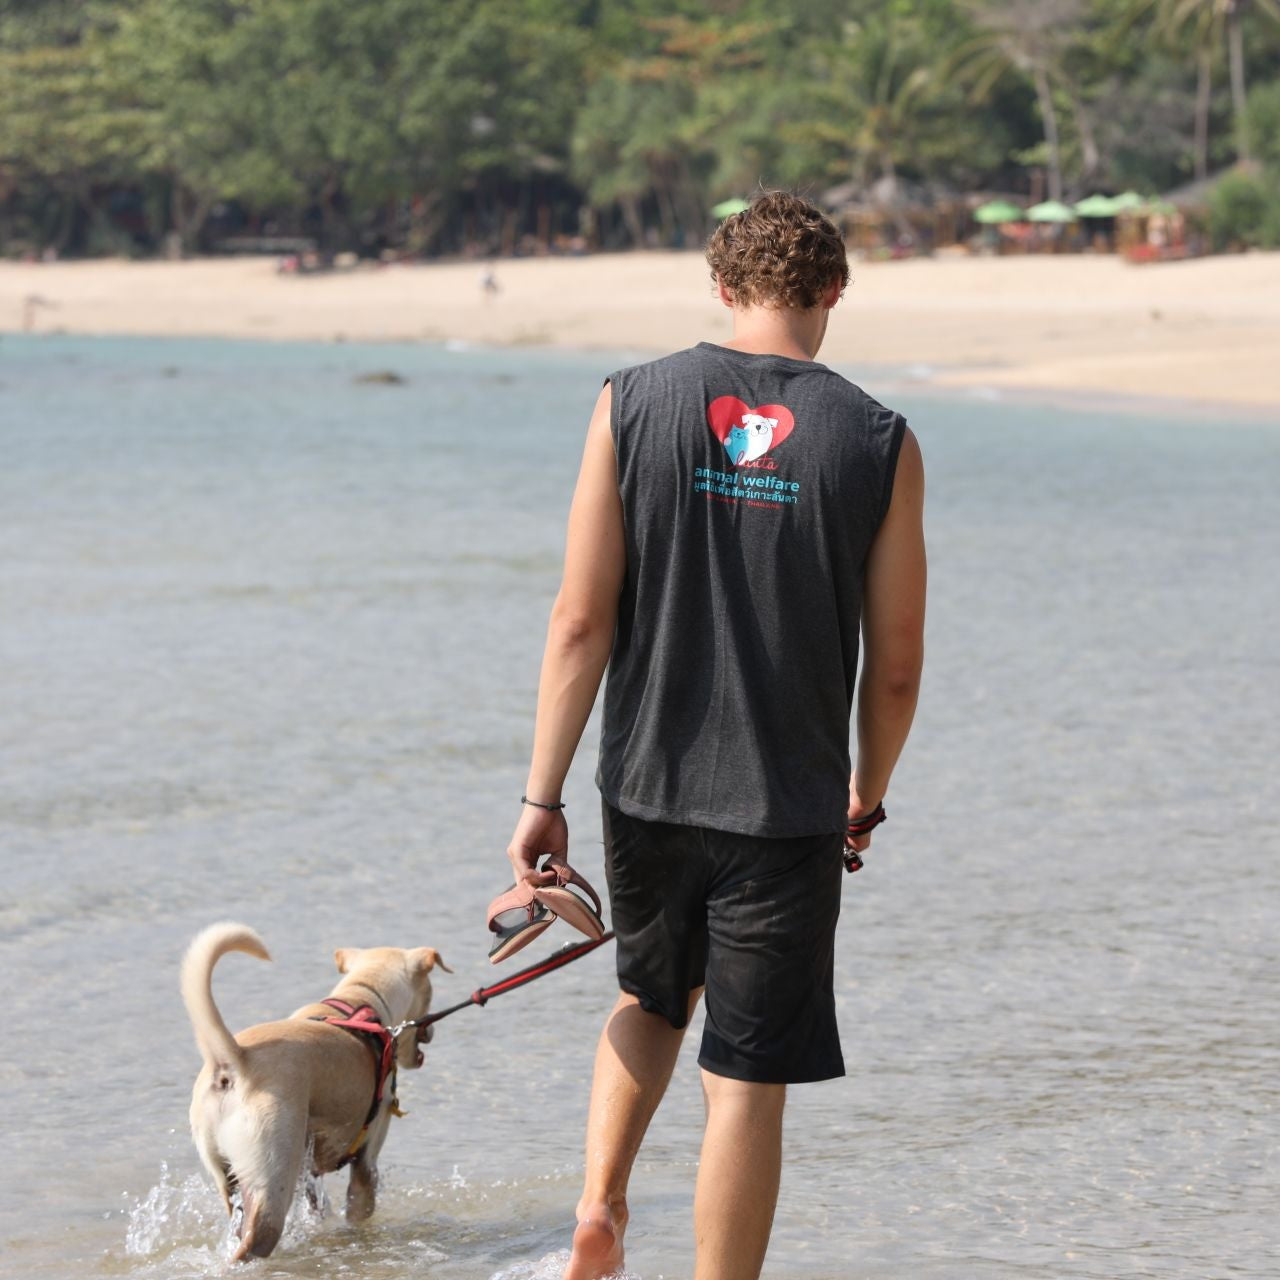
(551, 808)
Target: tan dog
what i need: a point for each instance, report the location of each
(265, 1095)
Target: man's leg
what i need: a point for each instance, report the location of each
(633, 1067)
(737, 1177)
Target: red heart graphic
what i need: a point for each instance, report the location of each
(725, 412)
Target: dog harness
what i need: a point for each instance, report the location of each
(365, 1023)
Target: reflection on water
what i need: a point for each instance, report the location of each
(270, 641)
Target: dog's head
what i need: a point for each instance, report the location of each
(401, 979)
(752, 439)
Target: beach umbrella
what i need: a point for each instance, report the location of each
(997, 211)
(1127, 202)
(1051, 211)
(1096, 206)
(1160, 206)
(726, 208)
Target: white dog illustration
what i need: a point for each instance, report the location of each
(751, 440)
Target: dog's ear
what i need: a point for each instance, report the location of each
(342, 958)
(426, 959)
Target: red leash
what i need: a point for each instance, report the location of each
(557, 960)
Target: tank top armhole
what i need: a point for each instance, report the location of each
(614, 382)
(897, 430)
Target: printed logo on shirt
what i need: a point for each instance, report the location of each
(749, 437)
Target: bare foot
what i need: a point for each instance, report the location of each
(597, 1246)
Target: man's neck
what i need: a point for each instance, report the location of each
(765, 331)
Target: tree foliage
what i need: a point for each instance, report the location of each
(434, 123)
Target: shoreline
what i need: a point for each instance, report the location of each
(888, 383)
(1199, 335)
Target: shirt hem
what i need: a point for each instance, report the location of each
(684, 817)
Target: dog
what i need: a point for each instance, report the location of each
(751, 440)
(266, 1097)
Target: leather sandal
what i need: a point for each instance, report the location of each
(570, 906)
(516, 917)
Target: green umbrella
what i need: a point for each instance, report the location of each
(726, 208)
(1160, 206)
(1127, 201)
(996, 211)
(1051, 211)
(1097, 207)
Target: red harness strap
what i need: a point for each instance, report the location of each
(364, 1021)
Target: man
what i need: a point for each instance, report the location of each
(742, 512)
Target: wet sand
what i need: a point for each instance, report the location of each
(1205, 330)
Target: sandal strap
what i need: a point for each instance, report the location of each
(566, 875)
(519, 895)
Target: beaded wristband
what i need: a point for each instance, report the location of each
(536, 804)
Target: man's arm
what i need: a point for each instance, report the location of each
(579, 639)
(892, 636)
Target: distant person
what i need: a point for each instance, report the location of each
(31, 304)
(741, 516)
(489, 285)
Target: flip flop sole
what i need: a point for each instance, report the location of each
(508, 943)
(571, 909)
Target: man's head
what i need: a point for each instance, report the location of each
(778, 253)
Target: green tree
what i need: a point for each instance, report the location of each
(347, 109)
(1030, 38)
(193, 71)
(882, 76)
(1264, 122)
(63, 128)
(1240, 210)
(1209, 23)
(1195, 30)
(654, 122)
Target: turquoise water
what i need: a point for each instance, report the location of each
(269, 642)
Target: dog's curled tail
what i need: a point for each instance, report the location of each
(216, 1044)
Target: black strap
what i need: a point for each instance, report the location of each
(862, 825)
(867, 822)
(537, 804)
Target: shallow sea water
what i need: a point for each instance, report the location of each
(269, 642)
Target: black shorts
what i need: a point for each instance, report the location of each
(751, 918)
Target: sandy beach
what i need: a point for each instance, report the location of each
(1205, 330)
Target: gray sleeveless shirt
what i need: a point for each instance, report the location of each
(752, 487)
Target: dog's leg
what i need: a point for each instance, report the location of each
(362, 1190)
(315, 1194)
(218, 1167)
(268, 1178)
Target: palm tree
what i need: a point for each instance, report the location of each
(1029, 37)
(1208, 22)
(880, 75)
(1196, 28)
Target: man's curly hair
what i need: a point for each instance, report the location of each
(779, 252)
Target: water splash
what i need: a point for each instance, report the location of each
(310, 1205)
(172, 1215)
(550, 1267)
(170, 1212)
